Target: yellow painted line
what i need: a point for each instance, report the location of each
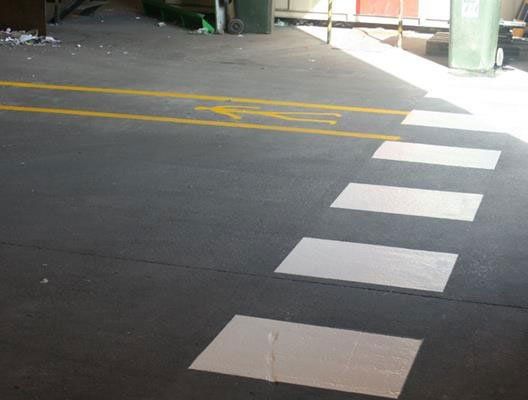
(236, 112)
(189, 96)
(199, 122)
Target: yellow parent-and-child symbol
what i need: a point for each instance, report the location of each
(237, 112)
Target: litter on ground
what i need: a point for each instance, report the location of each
(30, 38)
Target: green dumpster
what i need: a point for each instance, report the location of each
(257, 15)
(474, 34)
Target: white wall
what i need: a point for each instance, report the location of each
(344, 10)
(434, 9)
(510, 8)
(431, 11)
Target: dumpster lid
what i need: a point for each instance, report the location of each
(513, 24)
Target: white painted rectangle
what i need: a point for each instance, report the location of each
(408, 201)
(378, 265)
(438, 155)
(326, 358)
(466, 122)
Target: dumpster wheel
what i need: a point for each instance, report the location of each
(235, 26)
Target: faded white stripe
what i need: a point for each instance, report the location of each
(438, 155)
(407, 201)
(466, 122)
(326, 358)
(378, 265)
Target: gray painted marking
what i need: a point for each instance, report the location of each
(438, 155)
(378, 265)
(326, 358)
(407, 201)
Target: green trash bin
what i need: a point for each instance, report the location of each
(257, 15)
(474, 34)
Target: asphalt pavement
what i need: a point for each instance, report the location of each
(130, 244)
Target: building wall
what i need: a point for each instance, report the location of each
(23, 15)
(510, 8)
(389, 8)
(422, 12)
(344, 10)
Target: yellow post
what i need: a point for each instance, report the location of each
(330, 16)
(400, 26)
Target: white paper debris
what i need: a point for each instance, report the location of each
(200, 31)
(26, 38)
(16, 38)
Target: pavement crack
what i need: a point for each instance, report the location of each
(266, 276)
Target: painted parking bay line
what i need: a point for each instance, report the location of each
(438, 155)
(202, 97)
(408, 201)
(197, 122)
(320, 357)
(372, 264)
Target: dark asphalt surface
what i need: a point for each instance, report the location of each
(153, 236)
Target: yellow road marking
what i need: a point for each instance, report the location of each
(199, 122)
(152, 93)
(234, 112)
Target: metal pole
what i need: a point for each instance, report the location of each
(56, 12)
(400, 26)
(330, 16)
(220, 14)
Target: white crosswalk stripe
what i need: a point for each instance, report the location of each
(408, 201)
(466, 122)
(347, 360)
(379, 265)
(438, 155)
(326, 358)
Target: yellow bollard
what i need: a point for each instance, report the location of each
(330, 17)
